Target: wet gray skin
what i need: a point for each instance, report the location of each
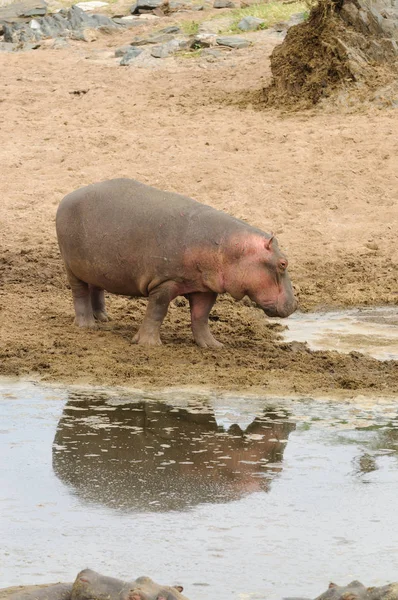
(167, 458)
(90, 585)
(356, 591)
(57, 591)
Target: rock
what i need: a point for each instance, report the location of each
(203, 40)
(91, 5)
(22, 10)
(250, 23)
(60, 43)
(224, 4)
(7, 47)
(142, 6)
(129, 21)
(152, 39)
(122, 51)
(233, 42)
(128, 56)
(171, 29)
(165, 50)
(72, 22)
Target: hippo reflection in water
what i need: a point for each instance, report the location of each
(147, 455)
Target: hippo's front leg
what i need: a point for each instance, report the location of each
(201, 304)
(158, 304)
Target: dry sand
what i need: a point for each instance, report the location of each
(325, 181)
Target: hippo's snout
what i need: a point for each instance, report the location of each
(281, 310)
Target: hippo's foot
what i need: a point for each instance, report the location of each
(146, 338)
(101, 315)
(88, 322)
(207, 341)
(203, 337)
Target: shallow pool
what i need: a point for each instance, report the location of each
(235, 497)
(372, 331)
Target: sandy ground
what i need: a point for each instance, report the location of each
(325, 181)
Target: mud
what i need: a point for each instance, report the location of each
(324, 183)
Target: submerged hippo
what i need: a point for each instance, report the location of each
(356, 591)
(131, 239)
(90, 585)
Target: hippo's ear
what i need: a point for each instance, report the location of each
(179, 588)
(332, 585)
(268, 243)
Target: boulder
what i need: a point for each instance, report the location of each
(224, 4)
(250, 23)
(20, 11)
(7, 47)
(165, 50)
(233, 42)
(72, 22)
(145, 6)
(129, 55)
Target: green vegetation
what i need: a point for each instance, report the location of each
(190, 53)
(271, 13)
(190, 27)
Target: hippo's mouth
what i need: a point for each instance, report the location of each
(273, 310)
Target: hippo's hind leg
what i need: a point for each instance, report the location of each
(158, 304)
(201, 304)
(97, 296)
(84, 316)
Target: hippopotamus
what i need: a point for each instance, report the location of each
(56, 591)
(90, 585)
(356, 591)
(127, 238)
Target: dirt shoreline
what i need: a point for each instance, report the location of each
(325, 182)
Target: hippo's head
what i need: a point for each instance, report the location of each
(261, 273)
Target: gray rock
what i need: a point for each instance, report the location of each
(126, 22)
(22, 10)
(146, 6)
(233, 42)
(70, 22)
(60, 43)
(224, 4)
(130, 55)
(7, 47)
(165, 50)
(122, 51)
(203, 40)
(157, 38)
(171, 29)
(250, 23)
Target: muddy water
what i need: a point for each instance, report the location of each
(372, 331)
(234, 497)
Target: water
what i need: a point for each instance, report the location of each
(236, 498)
(372, 331)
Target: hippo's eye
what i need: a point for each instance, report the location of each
(282, 264)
